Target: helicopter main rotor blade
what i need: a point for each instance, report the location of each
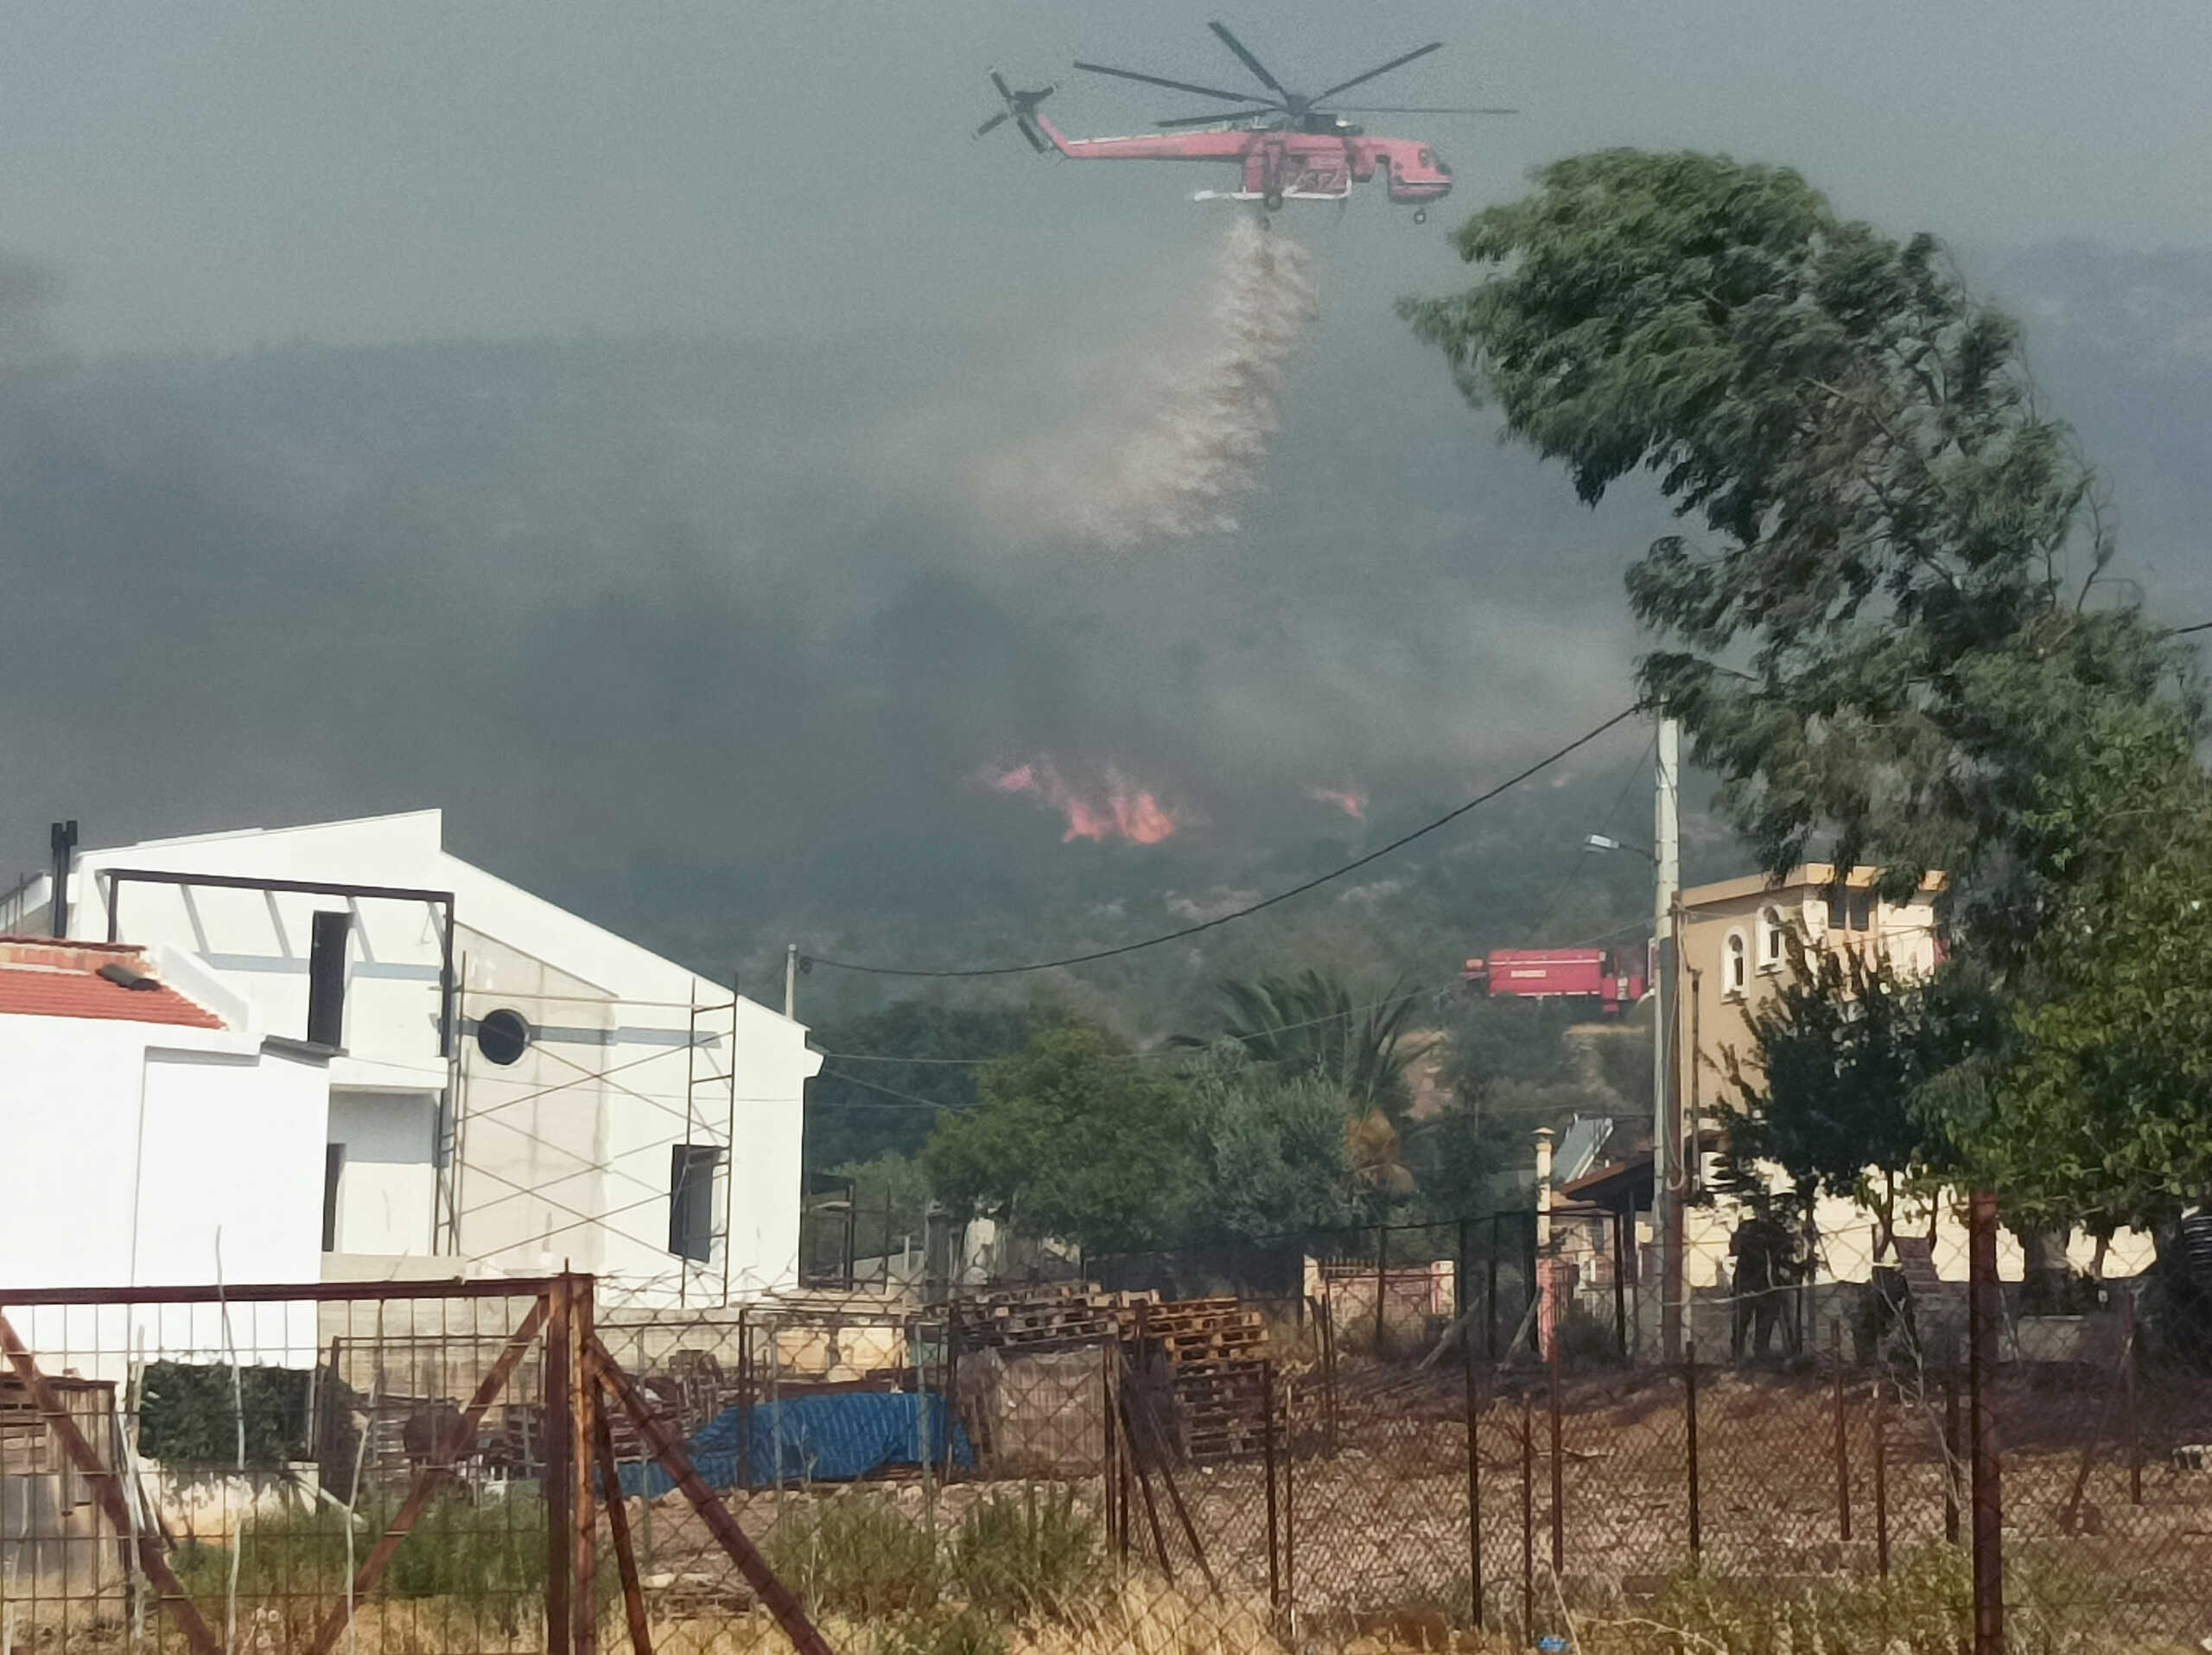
(1159, 80)
(1248, 61)
(1225, 115)
(1413, 109)
(996, 121)
(1385, 68)
(1005, 90)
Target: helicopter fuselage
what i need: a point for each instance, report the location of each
(1282, 163)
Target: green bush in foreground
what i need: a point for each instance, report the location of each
(1028, 1555)
(1034, 1554)
(494, 1550)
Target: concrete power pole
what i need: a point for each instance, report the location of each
(1666, 1122)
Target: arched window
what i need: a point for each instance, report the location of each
(1771, 952)
(1734, 971)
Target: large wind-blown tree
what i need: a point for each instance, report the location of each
(1894, 630)
(1888, 623)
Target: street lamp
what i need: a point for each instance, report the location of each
(1602, 841)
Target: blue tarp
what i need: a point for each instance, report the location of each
(821, 1439)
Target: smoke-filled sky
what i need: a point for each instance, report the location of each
(660, 436)
(228, 173)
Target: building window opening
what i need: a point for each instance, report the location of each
(691, 1168)
(1770, 945)
(1734, 973)
(1862, 910)
(333, 1176)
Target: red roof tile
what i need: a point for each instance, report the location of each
(41, 976)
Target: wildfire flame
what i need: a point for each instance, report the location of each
(1112, 808)
(1352, 801)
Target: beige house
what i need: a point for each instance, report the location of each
(1734, 957)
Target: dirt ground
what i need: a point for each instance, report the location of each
(1380, 1523)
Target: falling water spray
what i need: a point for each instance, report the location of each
(1179, 442)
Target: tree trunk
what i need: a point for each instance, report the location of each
(2043, 1287)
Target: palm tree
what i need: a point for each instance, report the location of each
(1373, 1155)
(1309, 1024)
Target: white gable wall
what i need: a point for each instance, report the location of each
(553, 1164)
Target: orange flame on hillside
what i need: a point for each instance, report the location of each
(1113, 808)
(1350, 800)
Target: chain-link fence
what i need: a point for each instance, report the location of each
(1895, 1442)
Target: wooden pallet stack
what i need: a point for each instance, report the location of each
(1216, 1348)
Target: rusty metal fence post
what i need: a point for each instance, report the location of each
(2132, 1423)
(1382, 1280)
(1984, 1308)
(1881, 1480)
(1559, 1477)
(1473, 1412)
(1267, 1459)
(1690, 1391)
(1952, 1449)
(1528, 1516)
(583, 1577)
(560, 1459)
(1842, 1437)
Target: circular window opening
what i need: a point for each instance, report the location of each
(503, 1037)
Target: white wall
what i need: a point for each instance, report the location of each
(555, 1163)
(131, 1147)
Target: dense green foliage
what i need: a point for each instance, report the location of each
(1830, 1090)
(1270, 1149)
(1896, 637)
(1074, 1138)
(2098, 1111)
(1894, 640)
(188, 1419)
(1310, 1024)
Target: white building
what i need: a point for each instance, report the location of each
(156, 1130)
(514, 1089)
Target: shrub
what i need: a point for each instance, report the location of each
(856, 1555)
(456, 1549)
(1032, 1553)
(189, 1417)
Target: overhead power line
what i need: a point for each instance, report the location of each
(1318, 880)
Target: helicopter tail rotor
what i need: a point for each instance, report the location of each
(1020, 108)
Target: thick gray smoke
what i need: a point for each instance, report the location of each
(1177, 431)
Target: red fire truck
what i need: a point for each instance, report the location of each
(1598, 974)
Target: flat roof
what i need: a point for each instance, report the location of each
(1816, 875)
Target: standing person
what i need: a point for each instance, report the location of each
(1764, 1256)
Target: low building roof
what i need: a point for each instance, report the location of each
(1816, 875)
(41, 977)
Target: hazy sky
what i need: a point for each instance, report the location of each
(216, 175)
(721, 621)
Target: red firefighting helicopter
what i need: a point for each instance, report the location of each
(1289, 147)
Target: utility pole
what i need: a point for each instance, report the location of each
(1665, 1106)
(790, 981)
